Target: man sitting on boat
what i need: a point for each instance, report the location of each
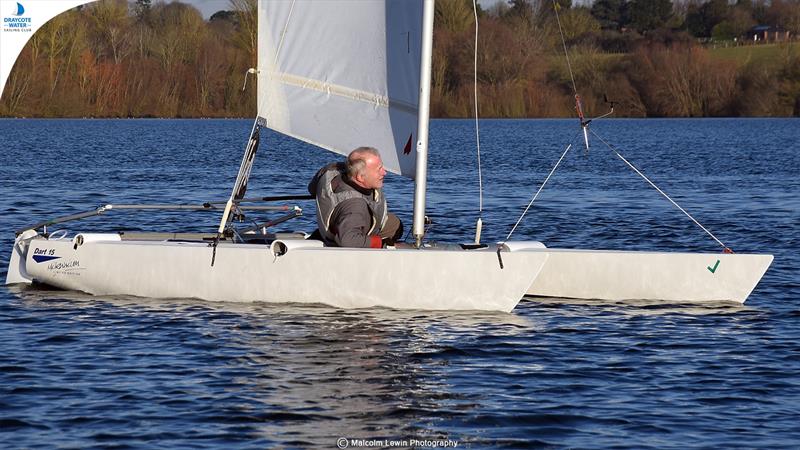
(351, 208)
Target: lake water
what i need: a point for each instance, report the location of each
(78, 371)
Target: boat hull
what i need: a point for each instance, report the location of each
(674, 277)
(346, 278)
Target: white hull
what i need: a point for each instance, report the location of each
(673, 277)
(346, 278)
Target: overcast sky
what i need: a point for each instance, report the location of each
(209, 7)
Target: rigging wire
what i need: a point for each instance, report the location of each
(241, 178)
(552, 171)
(556, 7)
(578, 105)
(585, 129)
(283, 32)
(613, 149)
(479, 223)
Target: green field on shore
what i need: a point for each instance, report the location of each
(765, 53)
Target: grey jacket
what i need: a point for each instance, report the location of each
(347, 215)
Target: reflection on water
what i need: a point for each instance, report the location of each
(270, 370)
(649, 307)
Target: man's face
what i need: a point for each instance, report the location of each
(372, 175)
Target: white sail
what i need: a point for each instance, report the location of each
(343, 74)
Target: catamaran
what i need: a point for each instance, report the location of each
(340, 75)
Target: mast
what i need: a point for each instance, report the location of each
(420, 180)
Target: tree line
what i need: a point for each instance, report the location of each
(115, 59)
(144, 59)
(647, 56)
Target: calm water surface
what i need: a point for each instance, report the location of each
(78, 371)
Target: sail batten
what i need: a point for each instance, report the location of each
(343, 74)
(346, 92)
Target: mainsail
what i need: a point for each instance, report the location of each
(343, 74)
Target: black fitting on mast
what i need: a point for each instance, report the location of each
(584, 122)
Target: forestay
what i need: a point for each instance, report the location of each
(343, 74)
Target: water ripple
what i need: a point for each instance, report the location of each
(80, 371)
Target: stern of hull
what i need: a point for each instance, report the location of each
(16, 267)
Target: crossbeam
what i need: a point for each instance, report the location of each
(207, 206)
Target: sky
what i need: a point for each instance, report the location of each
(209, 7)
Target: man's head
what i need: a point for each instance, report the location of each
(365, 168)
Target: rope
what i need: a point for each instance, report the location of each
(584, 126)
(539, 191)
(283, 32)
(241, 178)
(477, 132)
(611, 147)
(564, 44)
(578, 106)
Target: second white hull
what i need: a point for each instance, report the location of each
(673, 277)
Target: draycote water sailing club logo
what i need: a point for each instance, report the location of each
(17, 22)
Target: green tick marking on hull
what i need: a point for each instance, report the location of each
(714, 269)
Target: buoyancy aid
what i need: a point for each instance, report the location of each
(331, 190)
